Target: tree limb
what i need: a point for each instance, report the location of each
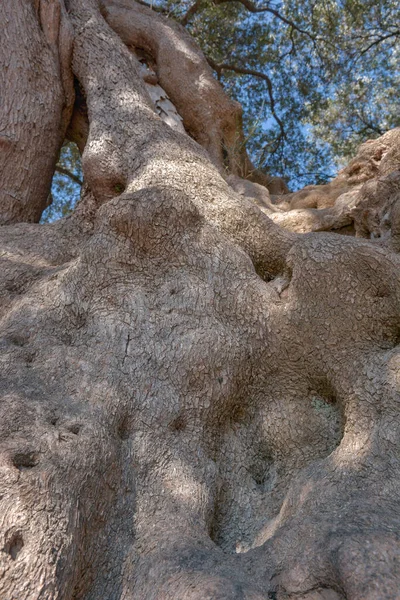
(190, 12)
(64, 171)
(245, 71)
(378, 41)
(251, 7)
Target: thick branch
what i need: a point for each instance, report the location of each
(209, 116)
(137, 135)
(30, 96)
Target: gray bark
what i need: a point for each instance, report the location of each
(196, 403)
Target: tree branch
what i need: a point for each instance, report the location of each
(251, 7)
(191, 11)
(378, 41)
(218, 67)
(64, 171)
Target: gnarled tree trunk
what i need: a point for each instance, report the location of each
(196, 403)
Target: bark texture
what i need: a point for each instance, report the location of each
(36, 103)
(196, 403)
(361, 200)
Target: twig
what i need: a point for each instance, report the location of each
(244, 71)
(190, 12)
(69, 174)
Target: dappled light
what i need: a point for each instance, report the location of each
(200, 371)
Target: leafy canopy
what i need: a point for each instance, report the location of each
(315, 79)
(332, 66)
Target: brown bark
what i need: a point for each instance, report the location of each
(37, 101)
(196, 404)
(361, 200)
(208, 114)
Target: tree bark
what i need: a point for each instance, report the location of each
(37, 100)
(196, 403)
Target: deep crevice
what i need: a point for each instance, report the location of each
(14, 545)
(325, 402)
(124, 428)
(25, 460)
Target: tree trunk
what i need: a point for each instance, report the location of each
(37, 100)
(196, 403)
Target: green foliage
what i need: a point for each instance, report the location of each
(333, 67)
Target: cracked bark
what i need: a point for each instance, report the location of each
(37, 100)
(195, 403)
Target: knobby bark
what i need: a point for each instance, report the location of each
(361, 200)
(196, 403)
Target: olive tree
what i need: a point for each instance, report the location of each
(198, 401)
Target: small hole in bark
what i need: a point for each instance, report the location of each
(124, 429)
(262, 467)
(178, 424)
(238, 413)
(25, 460)
(29, 358)
(79, 320)
(14, 545)
(74, 428)
(119, 188)
(320, 386)
(17, 340)
(261, 473)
